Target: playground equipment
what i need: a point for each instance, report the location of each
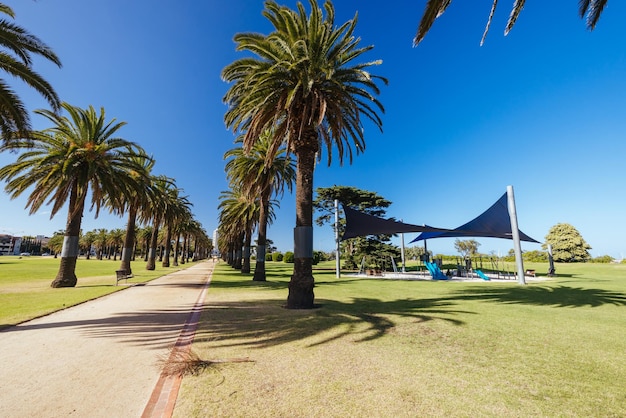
(435, 271)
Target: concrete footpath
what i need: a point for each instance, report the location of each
(100, 358)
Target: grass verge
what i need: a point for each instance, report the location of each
(379, 347)
(25, 291)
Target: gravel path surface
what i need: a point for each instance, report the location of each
(98, 359)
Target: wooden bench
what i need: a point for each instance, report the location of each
(121, 275)
(530, 273)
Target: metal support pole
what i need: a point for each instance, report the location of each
(337, 254)
(521, 279)
(402, 250)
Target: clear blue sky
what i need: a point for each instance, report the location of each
(543, 109)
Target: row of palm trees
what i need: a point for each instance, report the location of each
(189, 243)
(256, 177)
(80, 161)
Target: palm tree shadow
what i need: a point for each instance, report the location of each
(558, 296)
(265, 323)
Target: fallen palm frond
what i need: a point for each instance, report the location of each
(187, 362)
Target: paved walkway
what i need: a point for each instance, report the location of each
(99, 359)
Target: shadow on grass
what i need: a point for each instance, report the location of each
(558, 296)
(264, 323)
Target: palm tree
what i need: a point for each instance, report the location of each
(16, 58)
(115, 240)
(100, 241)
(261, 177)
(302, 82)
(76, 158)
(160, 187)
(86, 241)
(144, 236)
(137, 200)
(239, 214)
(592, 9)
(177, 208)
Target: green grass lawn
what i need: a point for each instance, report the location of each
(380, 347)
(25, 291)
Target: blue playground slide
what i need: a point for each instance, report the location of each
(481, 275)
(435, 271)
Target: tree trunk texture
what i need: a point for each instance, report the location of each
(301, 294)
(168, 246)
(259, 268)
(66, 277)
(245, 265)
(151, 264)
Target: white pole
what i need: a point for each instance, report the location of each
(402, 249)
(337, 262)
(521, 279)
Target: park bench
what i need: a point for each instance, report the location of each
(530, 273)
(122, 275)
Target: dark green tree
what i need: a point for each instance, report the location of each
(374, 248)
(567, 244)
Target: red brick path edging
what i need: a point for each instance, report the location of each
(163, 398)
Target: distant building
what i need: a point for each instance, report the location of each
(6, 244)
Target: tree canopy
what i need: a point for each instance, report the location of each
(467, 248)
(567, 244)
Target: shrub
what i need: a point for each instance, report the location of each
(268, 257)
(602, 259)
(288, 257)
(277, 256)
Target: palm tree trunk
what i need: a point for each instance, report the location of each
(238, 252)
(66, 277)
(168, 246)
(151, 265)
(129, 240)
(259, 268)
(176, 249)
(183, 256)
(245, 265)
(301, 294)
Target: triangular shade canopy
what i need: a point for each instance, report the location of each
(361, 224)
(493, 223)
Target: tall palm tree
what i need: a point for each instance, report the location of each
(592, 9)
(239, 214)
(100, 241)
(17, 47)
(182, 226)
(76, 158)
(115, 240)
(260, 176)
(144, 236)
(131, 205)
(160, 187)
(178, 207)
(302, 82)
(86, 241)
